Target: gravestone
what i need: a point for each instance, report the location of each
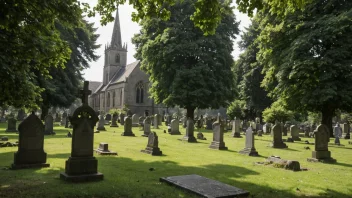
(294, 133)
(152, 146)
(108, 117)
(209, 124)
(189, 136)
(160, 120)
(30, 152)
(57, 117)
(101, 123)
(122, 119)
(21, 114)
(104, 149)
(204, 187)
(337, 133)
(127, 128)
(236, 132)
(11, 125)
(146, 129)
(218, 135)
(254, 127)
(249, 147)
(82, 165)
(175, 127)
(67, 122)
(168, 120)
(63, 119)
(346, 131)
(284, 129)
(184, 122)
(200, 136)
(277, 137)
(141, 121)
(321, 152)
(135, 120)
(114, 121)
(156, 121)
(49, 125)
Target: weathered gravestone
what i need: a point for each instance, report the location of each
(321, 152)
(200, 136)
(57, 117)
(346, 131)
(249, 147)
(114, 121)
(277, 137)
(146, 129)
(160, 120)
(30, 152)
(104, 149)
(337, 133)
(101, 123)
(49, 125)
(21, 114)
(127, 127)
(236, 132)
(284, 129)
(218, 135)
(122, 119)
(156, 121)
(294, 133)
(175, 127)
(63, 119)
(168, 120)
(135, 120)
(204, 187)
(184, 122)
(11, 125)
(189, 136)
(107, 119)
(82, 165)
(152, 146)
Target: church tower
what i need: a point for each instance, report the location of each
(115, 53)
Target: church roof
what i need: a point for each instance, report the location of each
(94, 85)
(122, 74)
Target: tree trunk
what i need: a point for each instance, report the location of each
(190, 112)
(327, 114)
(45, 110)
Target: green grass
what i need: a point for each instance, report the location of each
(128, 175)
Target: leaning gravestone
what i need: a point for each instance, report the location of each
(200, 136)
(218, 135)
(189, 136)
(152, 146)
(249, 149)
(101, 123)
(146, 129)
(321, 152)
(11, 125)
(49, 125)
(127, 127)
(175, 127)
(114, 121)
(277, 137)
(30, 152)
(295, 133)
(82, 165)
(156, 121)
(134, 120)
(236, 132)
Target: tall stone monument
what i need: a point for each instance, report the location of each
(277, 137)
(189, 137)
(156, 121)
(146, 129)
(218, 135)
(127, 127)
(82, 165)
(236, 131)
(30, 152)
(249, 147)
(321, 152)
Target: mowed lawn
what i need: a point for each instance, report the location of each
(129, 175)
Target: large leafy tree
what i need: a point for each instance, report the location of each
(187, 68)
(30, 43)
(62, 89)
(308, 58)
(207, 14)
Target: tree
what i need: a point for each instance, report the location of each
(206, 15)
(187, 68)
(277, 112)
(307, 58)
(62, 89)
(29, 42)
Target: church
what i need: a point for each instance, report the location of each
(123, 84)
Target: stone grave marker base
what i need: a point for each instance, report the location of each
(175, 133)
(101, 129)
(217, 145)
(114, 125)
(249, 152)
(188, 139)
(75, 173)
(327, 160)
(279, 145)
(204, 187)
(236, 135)
(152, 151)
(9, 130)
(24, 166)
(128, 134)
(101, 152)
(82, 178)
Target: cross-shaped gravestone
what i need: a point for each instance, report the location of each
(85, 93)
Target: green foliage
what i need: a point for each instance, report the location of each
(277, 112)
(115, 111)
(237, 109)
(346, 117)
(187, 68)
(206, 15)
(30, 44)
(314, 118)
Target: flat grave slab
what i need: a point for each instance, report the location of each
(205, 187)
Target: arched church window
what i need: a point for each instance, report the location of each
(117, 58)
(108, 100)
(139, 92)
(113, 99)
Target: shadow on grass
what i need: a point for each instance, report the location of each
(341, 164)
(132, 178)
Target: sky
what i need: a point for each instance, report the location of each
(128, 29)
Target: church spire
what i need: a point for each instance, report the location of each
(116, 34)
